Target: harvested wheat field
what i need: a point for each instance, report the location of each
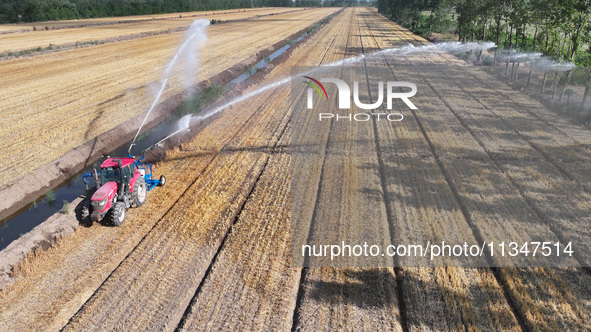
(100, 31)
(58, 101)
(52, 25)
(217, 247)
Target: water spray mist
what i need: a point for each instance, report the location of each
(451, 47)
(189, 49)
(400, 51)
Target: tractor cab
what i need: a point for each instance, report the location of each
(119, 170)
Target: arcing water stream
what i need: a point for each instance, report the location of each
(197, 34)
(194, 39)
(200, 28)
(401, 51)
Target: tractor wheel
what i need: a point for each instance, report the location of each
(118, 214)
(138, 196)
(162, 180)
(84, 212)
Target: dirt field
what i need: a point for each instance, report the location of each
(212, 249)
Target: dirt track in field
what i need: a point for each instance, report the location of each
(211, 250)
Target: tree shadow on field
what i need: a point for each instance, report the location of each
(416, 184)
(532, 174)
(367, 288)
(450, 299)
(560, 296)
(431, 298)
(356, 51)
(427, 301)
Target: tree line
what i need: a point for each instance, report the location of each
(18, 11)
(15, 11)
(559, 28)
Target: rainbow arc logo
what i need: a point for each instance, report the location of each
(316, 87)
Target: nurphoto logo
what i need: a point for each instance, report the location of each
(344, 98)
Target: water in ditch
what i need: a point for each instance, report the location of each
(34, 214)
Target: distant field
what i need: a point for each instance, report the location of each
(91, 31)
(118, 19)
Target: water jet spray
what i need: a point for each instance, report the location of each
(194, 39)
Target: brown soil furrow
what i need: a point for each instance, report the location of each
(261, 293)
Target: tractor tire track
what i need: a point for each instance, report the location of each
(552, 224)
(466, 216)
(174, 205)
(504, 275)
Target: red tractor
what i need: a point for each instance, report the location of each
(120, 184)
